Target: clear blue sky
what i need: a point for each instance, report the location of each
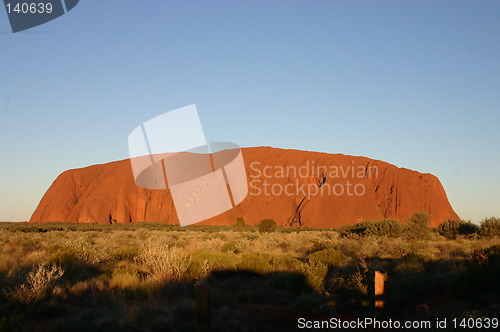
(413, 83)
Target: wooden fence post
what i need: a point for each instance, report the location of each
(203, 308)
(378, 293)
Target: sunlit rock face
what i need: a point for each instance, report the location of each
(292, 187)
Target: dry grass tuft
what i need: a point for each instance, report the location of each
(40, 280)
(164, 263)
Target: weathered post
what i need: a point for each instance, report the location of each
(378, 293)
(203, 308)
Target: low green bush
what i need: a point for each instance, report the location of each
(452, 228)
(125, 253)
(330, 257)
(384, 227)
(267, 226)
(412, 263)
(203, 262)
(257, 262)
(315, 273)
(63, 257)
(124, 277)
(232, 246)
(490, 227)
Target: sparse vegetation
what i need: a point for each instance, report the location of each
(143, 276)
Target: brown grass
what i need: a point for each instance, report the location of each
(110, 273)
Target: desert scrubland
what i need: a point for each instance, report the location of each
(141, 276)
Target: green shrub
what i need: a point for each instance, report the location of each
(257, 262)
(315, 273)
(318, 245)
(232, 246)
(203, 262)
(124, 277)
(125, 253)
(285, 263)
(330, 257)
(267, 226)
(265, 263)
(453, 228)
(412, 263)
(385, 227)
(418, 225)
(490, 227)
(63, 257)
(352, 231)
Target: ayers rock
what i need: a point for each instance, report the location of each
(319, 189)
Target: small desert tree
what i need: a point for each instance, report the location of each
(267, 226)
(240, 222)
(418, 225)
